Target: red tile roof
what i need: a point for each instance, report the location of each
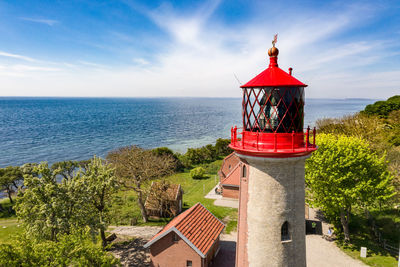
(232, 178)
(197, 226)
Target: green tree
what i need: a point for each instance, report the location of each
(165, 151)
(135, 167)
(222, 147)
(75, 249)
(383, 108)
(67, 169)
(344, 172)
(48, 207)
(10, 178)
(100, 183)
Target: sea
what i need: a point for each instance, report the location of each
(35, 129)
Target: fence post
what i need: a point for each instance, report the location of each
(398, 265)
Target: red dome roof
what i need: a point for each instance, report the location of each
(273, 76)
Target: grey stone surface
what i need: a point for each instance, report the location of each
(276, 194)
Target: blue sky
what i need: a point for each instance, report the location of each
(194, 48)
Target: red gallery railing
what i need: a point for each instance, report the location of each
(273, 144)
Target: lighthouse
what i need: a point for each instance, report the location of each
(274, 145)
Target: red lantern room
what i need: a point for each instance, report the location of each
(273, 115)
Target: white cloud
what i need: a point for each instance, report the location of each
(15, 56)
(203, 57)
(49, 22)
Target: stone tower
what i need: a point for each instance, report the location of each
(271, 225)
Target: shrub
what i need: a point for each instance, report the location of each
(75, 249)
(197, 173)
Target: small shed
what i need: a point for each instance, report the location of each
(164, 200)
(190, 240)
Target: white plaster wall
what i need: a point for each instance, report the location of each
(276, 194)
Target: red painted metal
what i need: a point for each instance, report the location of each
(277, 145)
(273, 115)
(289, 112)
(273, 76)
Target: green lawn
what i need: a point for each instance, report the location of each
(8, 227)
(125, 206)
(388, 223)
(378, 258)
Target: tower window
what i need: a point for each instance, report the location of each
(189, 264)
(244, 171)
(285, 235)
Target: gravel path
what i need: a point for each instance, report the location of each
(144, 232)
(321, 252)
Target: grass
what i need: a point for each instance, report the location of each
(361, 236)
(232, 223)
(125, 206)
(9, 224)
(8, 228)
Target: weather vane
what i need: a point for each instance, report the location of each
(275, 40)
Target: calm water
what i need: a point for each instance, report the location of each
(55, 129)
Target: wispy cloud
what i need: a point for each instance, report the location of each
(16, 56)
(49, 22)
(201, 55)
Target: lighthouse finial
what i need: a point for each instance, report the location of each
(275, 40)
(273, 51)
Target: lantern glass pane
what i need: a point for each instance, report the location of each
(273, 109)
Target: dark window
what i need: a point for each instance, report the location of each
(285, 235)
(244, 171)
(188, 263)
(174, 237)
(229, 166)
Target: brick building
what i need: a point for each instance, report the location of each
(191, 239)
(229, 176)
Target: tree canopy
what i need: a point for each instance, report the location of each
(99, 183)
(383, 108)
(10, 179)
(135, 167)
(75, 249)
(49, 206)
(344, 172)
